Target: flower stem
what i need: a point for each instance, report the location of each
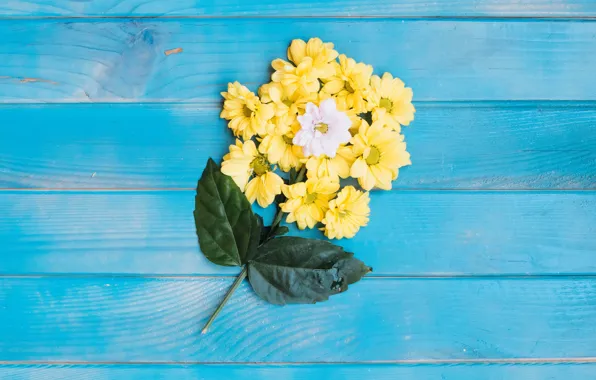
(231, 291)
(276, 220)
(279, 215)
(300, 175)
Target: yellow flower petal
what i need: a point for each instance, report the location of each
(359, 168)
(297, 51)
(308, 201)
(347, 213)
(334, 86)
(380, 152)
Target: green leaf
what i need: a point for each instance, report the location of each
(279, 231)
(264, 229)
(228, 230)
(293, 174)
(266, 232)
(290, 270)
(270, 232)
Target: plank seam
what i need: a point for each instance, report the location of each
(211, 105)
(93, 18)
(183, 189)
(370, 277)
(526, 361)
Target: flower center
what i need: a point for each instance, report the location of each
(374, 156)
(348, 86)
(287, 102)
(386, 103)
(322, 127)
(310, 198)
(288, 140)
(260, 165)
(247, 112)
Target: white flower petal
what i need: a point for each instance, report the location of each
(313, 111)
(303, 137)
(306, 121)
(330, 149)
(344, 137)
(313, 141)
(343, 121)
(317, 148)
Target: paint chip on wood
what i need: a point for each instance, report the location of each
(173, 51)
(35, 80)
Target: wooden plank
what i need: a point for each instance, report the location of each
(453, 146)
(410, 233)
(124, 60)
(140, 320)
(300, 372)
(201, 8)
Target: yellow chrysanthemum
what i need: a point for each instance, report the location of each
(286, 106)
(380, 152)
(347, 213)
(248, 116)
(280, 149)
(311, 61)
(390, 101)
(302, 79)
(335, 168)
(308, 201)
(350, 84)
(244, 161)
(264, 188)
(322, 55)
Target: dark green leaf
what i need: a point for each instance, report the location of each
(264, 229)
(293, 174)
(279, 231)
(367, 116)
(228, 229)
(297, 270)
(266, 232)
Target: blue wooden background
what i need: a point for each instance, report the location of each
(484, 254)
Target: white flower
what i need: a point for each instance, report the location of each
(323, 129)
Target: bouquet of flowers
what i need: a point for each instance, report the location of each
(323, 119)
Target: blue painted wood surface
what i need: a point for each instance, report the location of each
(540, 371)
(159, 320)
(411, 233)
(293, 8)
(520, 145)
(484, 254)
(124, 60)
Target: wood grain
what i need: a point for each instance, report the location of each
(410, 233)
(300, 372)
(123, 60)
(201, 8)
(160, 320)
(453, 146)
